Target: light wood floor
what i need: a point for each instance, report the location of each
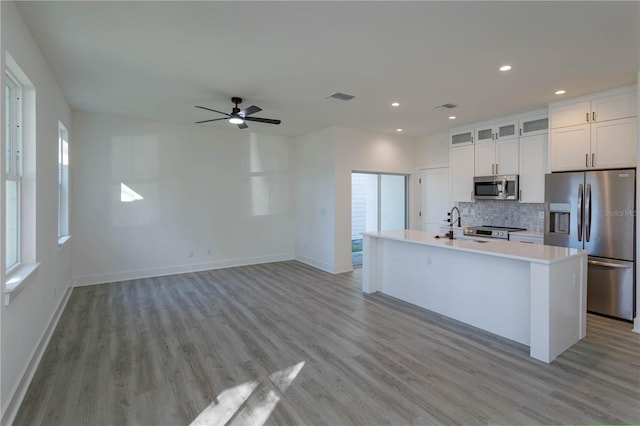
(225, 345)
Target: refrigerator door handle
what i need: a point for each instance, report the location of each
(580, 212)
(609, 265)
(587, 213)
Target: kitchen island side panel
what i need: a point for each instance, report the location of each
(481, 290)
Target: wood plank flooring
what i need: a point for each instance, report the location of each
(225, 347)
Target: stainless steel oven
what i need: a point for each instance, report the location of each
(496, 187)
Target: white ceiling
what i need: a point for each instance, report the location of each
(158, 60)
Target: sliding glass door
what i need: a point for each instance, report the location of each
(378, 203)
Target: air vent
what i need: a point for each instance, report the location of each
(450, 106)
(341, 96)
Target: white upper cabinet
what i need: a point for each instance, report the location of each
(461, 137)
(610, 147)
(533, 165)
(595, 132)
(496, 148)
(535, 125)
(461, 173)
(600, 108)
(570, 148)
(614, 107)
(570, 115)
(493, 148)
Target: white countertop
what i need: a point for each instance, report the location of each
(536, 253)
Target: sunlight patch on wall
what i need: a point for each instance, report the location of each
(128, 195)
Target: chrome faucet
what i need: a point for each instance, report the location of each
(451, 221)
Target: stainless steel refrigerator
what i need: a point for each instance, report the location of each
(595, 210)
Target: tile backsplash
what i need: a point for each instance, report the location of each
(503, 213)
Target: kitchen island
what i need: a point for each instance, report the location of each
(533, 294)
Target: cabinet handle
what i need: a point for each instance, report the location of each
(493, 169)
(587, 118)
(471, 139)
(472, 198)
(593, 116)
(593, 160)
(586, 160)
(496, 169)
(521, 195)
(520, 132)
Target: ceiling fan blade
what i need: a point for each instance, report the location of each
(209, 109)
(215, 119)
(242, 125)
(251, 110)
(263, 120)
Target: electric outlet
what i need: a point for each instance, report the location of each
(190, 253)
(541, 215)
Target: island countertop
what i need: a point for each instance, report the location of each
(535, 253)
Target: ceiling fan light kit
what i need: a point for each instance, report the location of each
(239, 116)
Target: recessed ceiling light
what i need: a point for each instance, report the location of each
(505, 68)
(452, 117)
(398, 130)
(395, 104)
(560, 92)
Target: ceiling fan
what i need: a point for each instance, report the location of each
(239, 116)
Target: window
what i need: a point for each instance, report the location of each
(19, 244)
(13, 170)
(63, 183)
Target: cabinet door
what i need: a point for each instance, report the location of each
(614, 107)
(461, 173)
(570, 148)
(461, 138)
(570, 115)
(506, 157)
(534, 126)
(507, 130)
(484, 134)
(614, 143)
(533, 166)
(485, 156)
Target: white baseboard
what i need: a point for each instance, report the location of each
(332, 269)
(84, 280)
(34, 361)
(315, 263)
(636, 325)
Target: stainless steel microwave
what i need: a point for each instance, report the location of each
(503, 187)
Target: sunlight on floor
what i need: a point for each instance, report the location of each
(251, 402)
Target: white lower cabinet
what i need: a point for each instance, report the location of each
(527, 237)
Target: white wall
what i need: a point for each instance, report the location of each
(314, 155)
(357, 150)
(324, 162)
(31, 315)
(224, 195)
(636, 321)
(433, 151)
